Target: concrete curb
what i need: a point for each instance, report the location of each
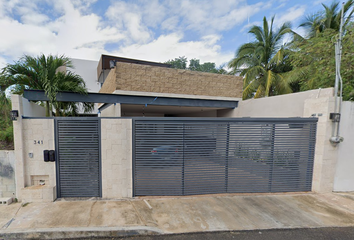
(87, 232)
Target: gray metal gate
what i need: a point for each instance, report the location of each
(78, 157)
(203, 156)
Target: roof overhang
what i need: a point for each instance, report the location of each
(39, 95)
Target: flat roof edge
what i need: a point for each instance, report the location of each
(39, 95)
(175, 95)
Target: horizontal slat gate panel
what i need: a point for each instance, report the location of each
(202, 157)
(78, 153)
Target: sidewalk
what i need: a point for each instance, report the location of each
(176, 215)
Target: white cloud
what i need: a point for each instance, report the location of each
(154, 13)
(214, 16)
(292, 14)
(248, 26)
(152, 30)
(72, 33)
(127, 17)
(171, 46)
(319, 2)
(204, 17)
(170, 23)
(2, 62)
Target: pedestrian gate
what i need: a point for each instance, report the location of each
(185, 157)
(78, 157)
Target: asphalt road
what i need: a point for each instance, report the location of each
(346, 233)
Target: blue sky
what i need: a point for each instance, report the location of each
(149, 30)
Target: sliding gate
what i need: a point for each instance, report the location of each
(204, 156)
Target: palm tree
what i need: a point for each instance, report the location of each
(43, 73)
(263, 61)
(328, 18)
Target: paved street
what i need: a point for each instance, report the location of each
(288, 234)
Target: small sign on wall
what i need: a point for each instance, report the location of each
(38, 141)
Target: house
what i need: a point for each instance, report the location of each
(133, 77)
(165, 131)
(136, 78)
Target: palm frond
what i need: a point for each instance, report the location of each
(43, 73)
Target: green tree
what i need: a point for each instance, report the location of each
(43, 73)
(263, 62)
(179, 63)
(195, 65)
(6, 130)
(328, 18)
(313, 62)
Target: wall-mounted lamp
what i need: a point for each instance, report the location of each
(335, 117)
(14, 115)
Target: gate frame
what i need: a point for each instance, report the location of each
(56, 135)
(271, 120)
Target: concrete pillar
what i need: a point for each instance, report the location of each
(325, 152)
(16, 101)
(116, 158)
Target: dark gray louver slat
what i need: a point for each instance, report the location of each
(202, 157)
(78, 153)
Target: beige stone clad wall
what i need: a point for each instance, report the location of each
(29, 164)
(110, 84)
(325, 153)
(116, 150)
(145, 78)
(38, 135)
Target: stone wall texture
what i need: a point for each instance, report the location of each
(326, 154)
(38, 135)
(110, 84)
(116, 150)
(145, 78)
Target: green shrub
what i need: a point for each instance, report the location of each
(7, 134)
(6, 129)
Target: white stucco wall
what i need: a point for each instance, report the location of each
(113, 110)
(87, 69)
(344, 177)
(288, 105)
(31, 109)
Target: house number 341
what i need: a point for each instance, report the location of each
(38, 141)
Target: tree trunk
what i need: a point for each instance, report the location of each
(47, 109)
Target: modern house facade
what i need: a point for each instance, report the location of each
(165, 131)
(140, 78)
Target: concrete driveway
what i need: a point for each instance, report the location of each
(184, 214)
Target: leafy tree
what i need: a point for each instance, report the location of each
(328, 18)
(263, 62)
(194, 65)
(6, 130)
(179, 63)
(43, 73)
(313, 62)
